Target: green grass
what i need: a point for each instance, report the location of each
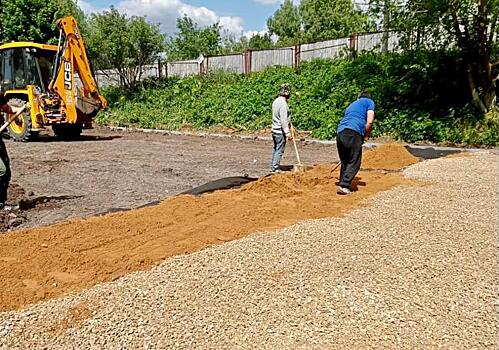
(420, 96)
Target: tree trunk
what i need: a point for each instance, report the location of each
(482, 100)
(480, 78)
(482, 85)
(386, 25)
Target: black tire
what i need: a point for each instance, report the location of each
(67, 131)
(21, 129)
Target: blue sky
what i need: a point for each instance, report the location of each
(236, 16)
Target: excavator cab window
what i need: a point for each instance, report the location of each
(32, 70)
(6, 57)
(45, 61)
(1, 71)
(20, 80)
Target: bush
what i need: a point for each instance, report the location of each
(420, 96)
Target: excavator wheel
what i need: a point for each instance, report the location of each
(67, 131)
(21, 128)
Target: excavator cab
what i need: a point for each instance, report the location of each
(57, 81)
(28, 65)
(25, 67)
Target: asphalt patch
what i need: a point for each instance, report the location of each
(430, 152)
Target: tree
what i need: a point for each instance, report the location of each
(230, 44)
(257, 42)
(469, 26)
(125, 44)
(191, 41)
(388, 14)
(331, 19)
(35, 20)
(286, 24)
(261, 42)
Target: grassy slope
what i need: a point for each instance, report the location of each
(419, 96)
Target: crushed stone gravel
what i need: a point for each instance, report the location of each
(417, 268)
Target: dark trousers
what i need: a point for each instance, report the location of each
(278, 150)
(349, 145)
(4, 172)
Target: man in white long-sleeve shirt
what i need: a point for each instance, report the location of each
(281, 120)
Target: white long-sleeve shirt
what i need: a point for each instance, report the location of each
(280, 116)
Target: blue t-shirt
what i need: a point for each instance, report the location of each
(355, 117)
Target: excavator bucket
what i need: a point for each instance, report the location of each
(86, 107)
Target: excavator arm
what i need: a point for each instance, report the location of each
(77, 104)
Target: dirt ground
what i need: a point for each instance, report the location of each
(109, 170)
(44, 263)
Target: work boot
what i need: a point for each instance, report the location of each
(344, 190)
(8, 207)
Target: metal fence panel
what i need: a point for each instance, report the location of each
(254, 61)
(182, 68)
(108, 77)
(374, 42)
(231, 63)
(369, 41)
(394, 42)
(268, 58)
(150, 71)
(324, 49)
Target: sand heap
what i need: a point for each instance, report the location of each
(43, 263)
(388, 157)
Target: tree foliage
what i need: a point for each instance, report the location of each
(315, 20)
(470, 26)
(418, 94)
(286, 24)
(35, 20)
(124, 43)
(260, 42)
(191, 41)
(331, 19)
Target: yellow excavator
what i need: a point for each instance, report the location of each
(56, 82)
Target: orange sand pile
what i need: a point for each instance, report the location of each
(390, 157)
(43, 263)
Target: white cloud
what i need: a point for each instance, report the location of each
(233, 25)
(166, 12)
(87, 7)
(251, 33)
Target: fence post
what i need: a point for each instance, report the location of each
(201, 68)
(159, 69)
(200, 61)
(248, 55)
(297, 57)
(246, 62)
(354, 44)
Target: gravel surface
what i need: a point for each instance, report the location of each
(416, 269)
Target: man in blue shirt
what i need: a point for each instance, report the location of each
(356, 125)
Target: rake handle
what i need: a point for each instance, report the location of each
(294, 143)
(8, 122)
